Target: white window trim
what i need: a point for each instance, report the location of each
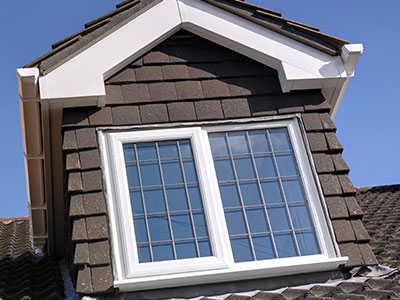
(130, 275)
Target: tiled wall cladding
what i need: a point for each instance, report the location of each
(187, 78)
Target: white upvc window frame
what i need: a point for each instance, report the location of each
(130, 275)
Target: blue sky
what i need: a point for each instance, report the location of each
(368, 120)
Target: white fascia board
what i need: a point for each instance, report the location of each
(299, 66)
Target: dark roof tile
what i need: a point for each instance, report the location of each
(72, 161)
(290, 103)
(97, 227)
(317, 142)
(241, 86)
(114, 94)
(74, 182)
(330, 184)
(181, 111)
(236, 108)
(81, 255)
(135, 92)
(69, 140)
(333, 142)
(327, 122)
(75, 117)
(102, 278)
(92, 181)
(100, 116)
(76, 206)
(267, 84)
(215, 88)
(99, 253)
(346, 184)
(90, 159)
(79, 232)
(153, 113)
(351, 287)
(84, 280)
(316, 102)
(262, 106)
(209, 110)
(148, 73)
(155, 57)
(86, 138)
(360, 231)
(126, 75)
(94, 203)
(353, 252)
(337, 207)
(174, 72)
(126, 115)
(323, 163)
(353, 207)
(162, 91)
(312, 121)
(186, 90)
(367, 254)
(343, 231)
(202, 70)
(340, 164)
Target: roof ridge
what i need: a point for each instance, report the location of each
(379, 188)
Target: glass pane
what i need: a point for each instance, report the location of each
(182, 226)
(163, 251)
(154, 200)
(250, 193)
(223, 167)
(300, 216)
(129, 152)
(278, 218)
(218, 144)
(308, 243)
(229, 194)
(263, 247)
(185, 249)
(176, 196)
(259, 141)
(186, 148)
(146, 151)
(293, 190)
(195, 197)
(241, 249)
(238, 142)
(205, 248)
(172, 171)
(235, 221)
(286, 164)
(271, 191)
(159, 228)
(244, 167)
(168, 149)
(265, 166)
(140, 229)
(136, 202)
(280, 139)
(144, 254)
(257, 220)
(285, 245)
(150, 173)
(190, 170)
(200, 224)
(132, 173)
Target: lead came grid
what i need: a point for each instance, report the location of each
(166, 203)
(263, 198)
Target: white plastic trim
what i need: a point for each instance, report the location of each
(28, 82)
(299, 66)
(130, 275)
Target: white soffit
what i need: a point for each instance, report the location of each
(299, 66)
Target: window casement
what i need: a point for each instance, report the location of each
(213, 202)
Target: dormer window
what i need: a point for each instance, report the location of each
(213, 202)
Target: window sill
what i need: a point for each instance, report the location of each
(239, 271)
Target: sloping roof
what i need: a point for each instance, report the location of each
(128, 9)
(24, 275)
(381, 207)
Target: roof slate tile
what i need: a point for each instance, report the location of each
(81, 255)
(312, 122)
(125, 75)
(330, 184)
(100, 116)
(114, 94)
(323, 163)
(148, 73)
(317, 142)
(99, 253)
(290, 103)
(162, 91)
(262, 106)
(84, 280)
(346, 184)
(75, 117)
(86, 138)
(343, 231)
(267, 85)
(97, 227)
(155, 57)
(135, 92)
(153, 113)
(236, 108)
(327, 122)
(186, 90)
(181, 111)
(359, 230)
(79, 232)
(69, 140)
(94, 203)
(92, 181)
(126, 115)
(215, 88)
(353, 252)
(353, 207)
(90, 159)
(201, 71)
(74, 182)
(209, 110)
(241, 86)
(76, 206)
(102, 279)
(367, 254)
(72, 161)
(174, 72)
(340, 164)
(337, 207)
(333, 142)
